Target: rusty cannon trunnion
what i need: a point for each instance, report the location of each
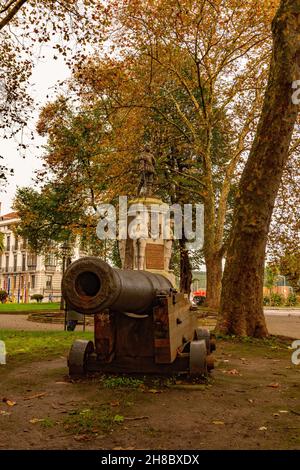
(142, 325)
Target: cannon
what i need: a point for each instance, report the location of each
(141, 324)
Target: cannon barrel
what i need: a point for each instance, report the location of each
(90, 286)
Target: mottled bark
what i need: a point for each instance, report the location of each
(213, 280)
(241, 310)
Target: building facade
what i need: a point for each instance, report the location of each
(24, 273)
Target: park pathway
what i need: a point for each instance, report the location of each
(279, 322)
(20, 322)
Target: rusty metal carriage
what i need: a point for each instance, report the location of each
(142, 325)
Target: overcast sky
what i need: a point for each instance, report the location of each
(46, 74)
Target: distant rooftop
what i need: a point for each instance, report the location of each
(9, 216)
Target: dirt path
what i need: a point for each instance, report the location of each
(252, 401)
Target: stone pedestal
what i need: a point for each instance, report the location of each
(149, 243)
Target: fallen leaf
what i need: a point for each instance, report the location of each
(153, 390)
(276, 415)
(283, 411)
(250, 400)
(233, 372)
(274, 385)
(263, 428)
(5, 413)
(218, 423)
(10, 402)
(36, 420)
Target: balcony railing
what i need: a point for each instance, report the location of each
(18, 269)
(50, 267)
(31, 267)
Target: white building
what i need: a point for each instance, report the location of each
(24, 273)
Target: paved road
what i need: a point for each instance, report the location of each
(284, 325)
(282, 312)
(279, 322)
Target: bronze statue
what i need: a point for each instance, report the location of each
(147, 169)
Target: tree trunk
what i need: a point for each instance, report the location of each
(241, 311)
(186, 275)
(213, 280)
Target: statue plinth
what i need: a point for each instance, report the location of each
(143, 249)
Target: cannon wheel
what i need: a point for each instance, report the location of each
(198, 353)
(202, 333)
(79, 352)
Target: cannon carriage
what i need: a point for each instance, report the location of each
(141, 324)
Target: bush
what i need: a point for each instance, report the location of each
(267, 300)
(277, 299)
(3, 296)
(37, 297)
(292, 300)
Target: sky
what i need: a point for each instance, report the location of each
(46, 74)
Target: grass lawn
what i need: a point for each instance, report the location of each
(28, 346)
(32, 307)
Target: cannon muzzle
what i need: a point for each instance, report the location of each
(90, 286)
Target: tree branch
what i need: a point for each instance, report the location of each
(12, 13)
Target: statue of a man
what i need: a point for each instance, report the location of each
(147, 169)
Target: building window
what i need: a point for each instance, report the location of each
(8, 243)
(14, 282)
(24, 262)
(15, 262)
(50, 260)
(31, 261)
(49, 282)
(16, 243)
(6, 263)
(33, 282)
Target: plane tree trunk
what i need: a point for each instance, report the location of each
(241, 310)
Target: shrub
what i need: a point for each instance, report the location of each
(277, 299)
(292, 300)
(37, 297)
(3, 296)
(267, 300)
